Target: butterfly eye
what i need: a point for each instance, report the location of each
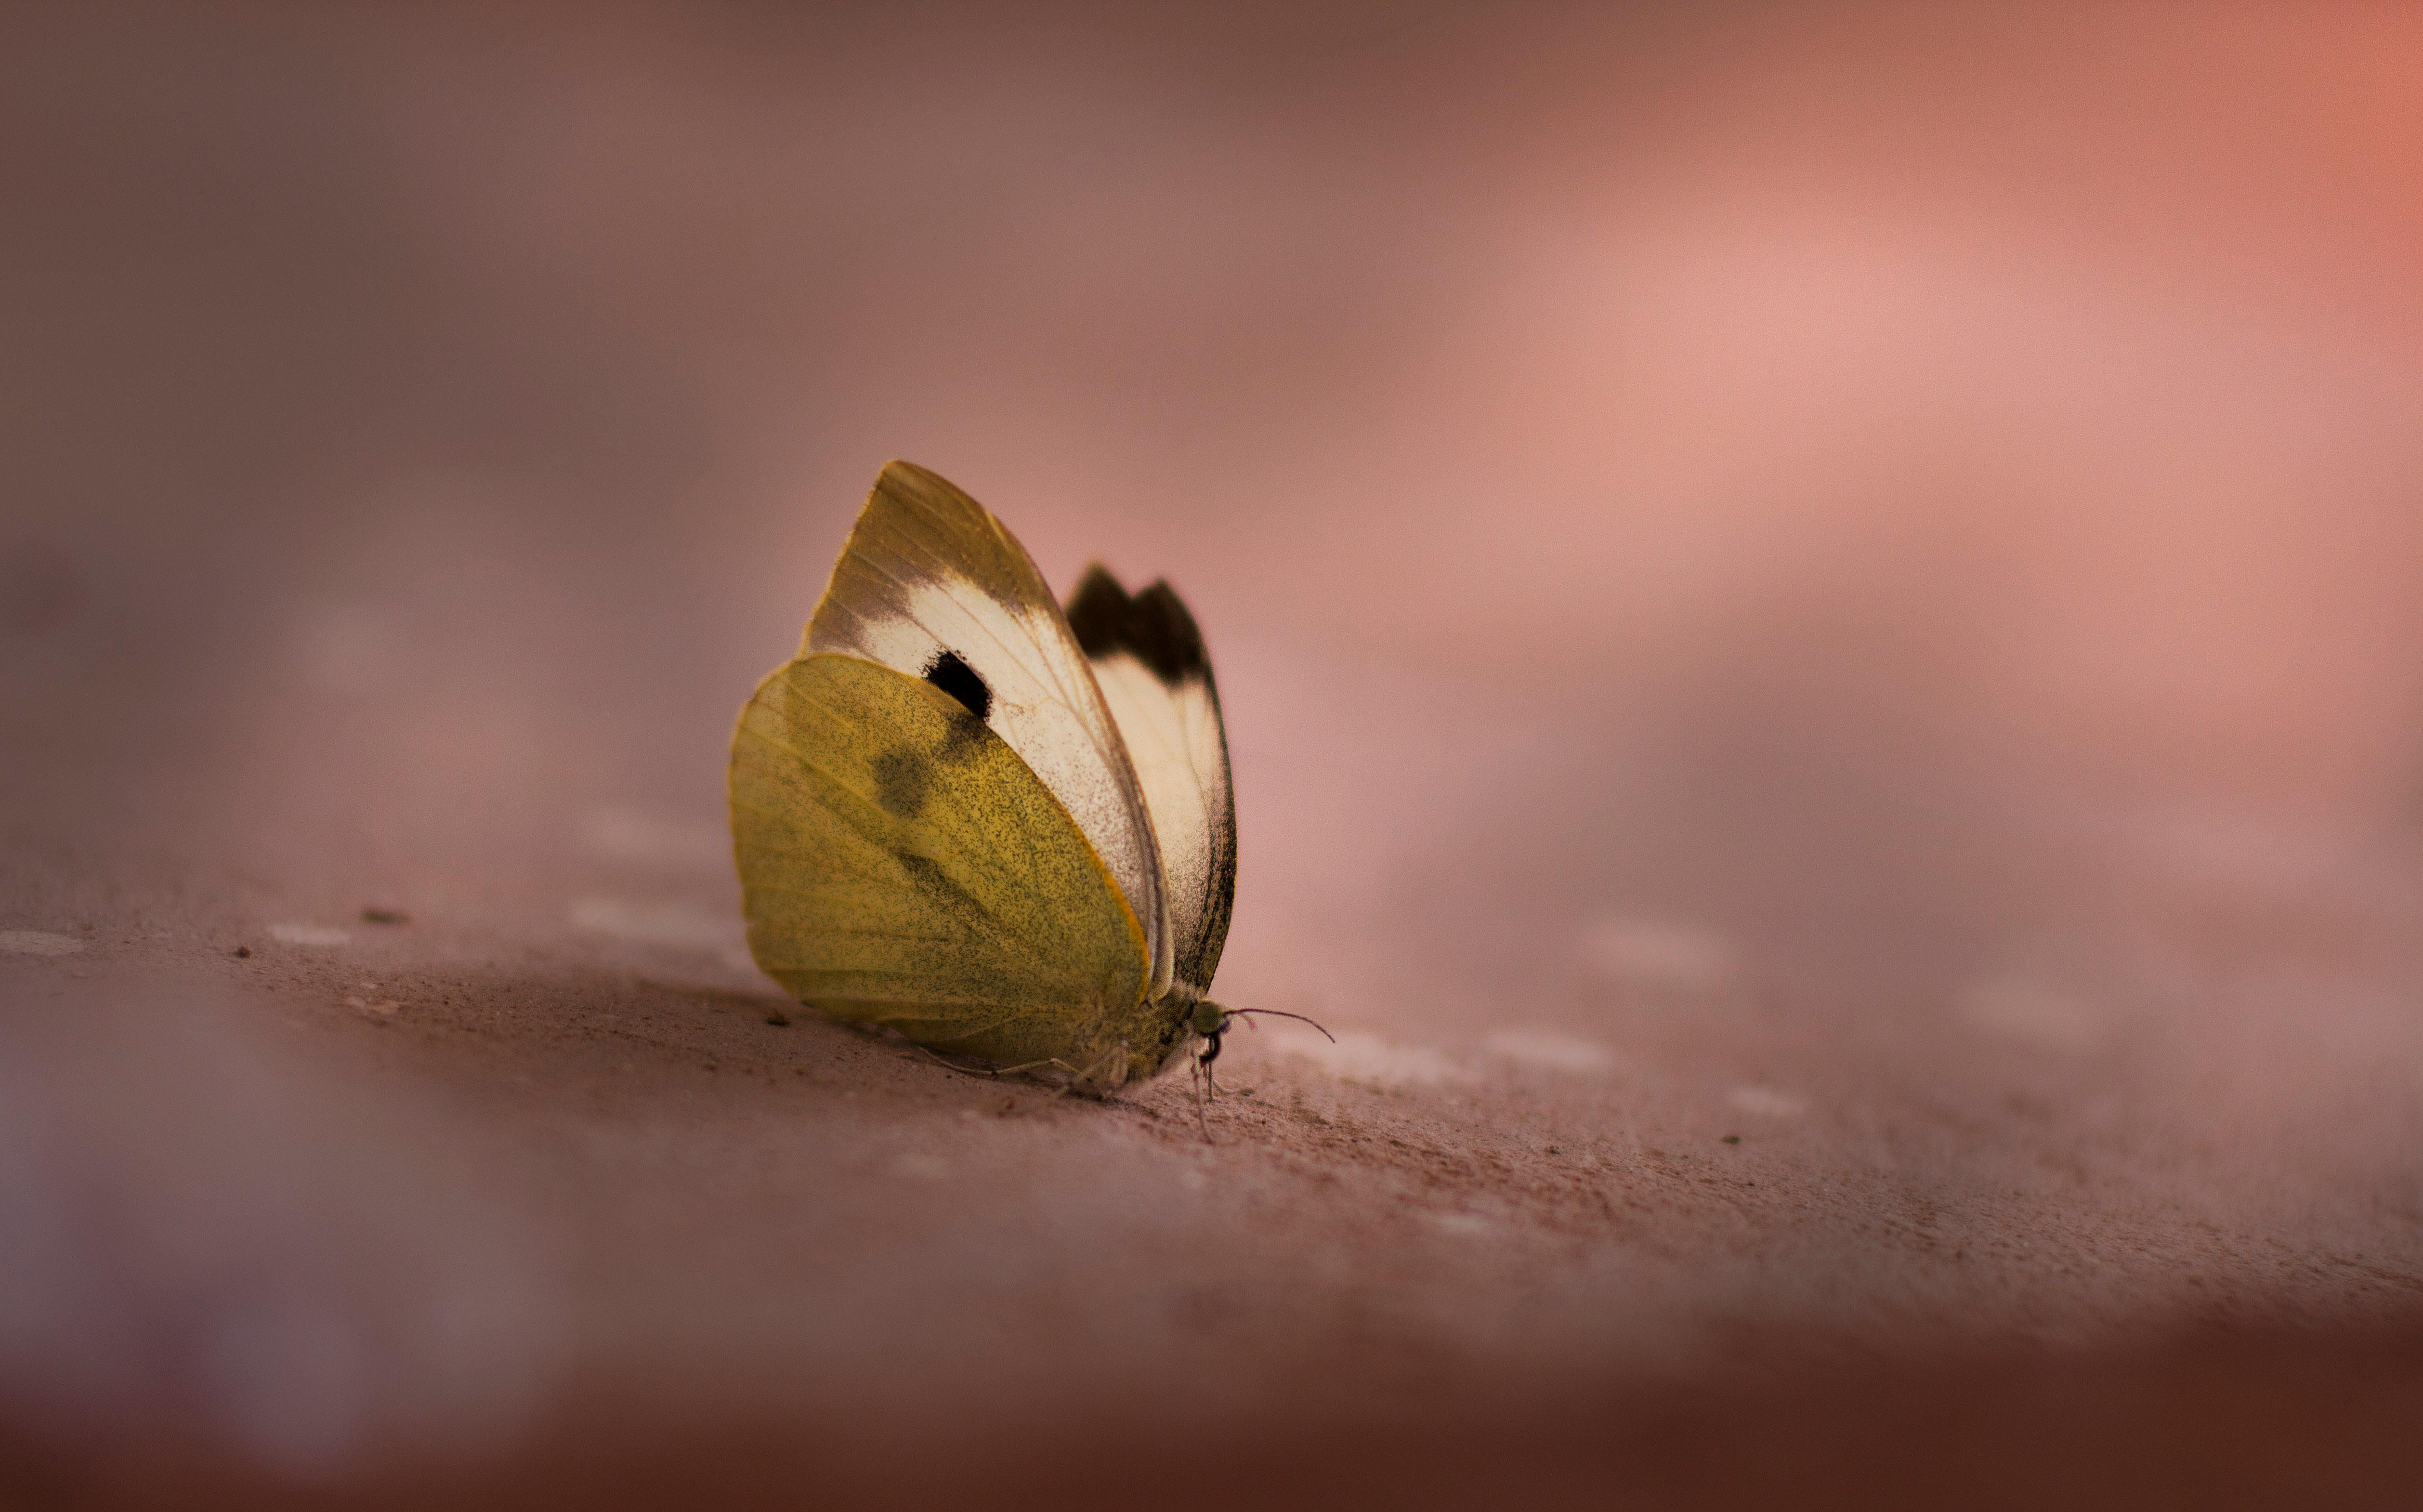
(960, 681)
(1208, 1017)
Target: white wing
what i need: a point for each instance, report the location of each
(932, 585)
(1149, 660)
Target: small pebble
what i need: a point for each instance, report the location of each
(1733, 1139)
(385, 915)
(244, 953)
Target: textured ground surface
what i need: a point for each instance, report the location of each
(490, 1183)
(1816, 620)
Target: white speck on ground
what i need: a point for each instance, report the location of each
(617, 834)
(1764, 1102)
(1368, 1058)
(1661, 952)
(38, 943)
(316, 937)
(1470, 1225)
(2032, 1012)
(1549, 1050)
(671, 924)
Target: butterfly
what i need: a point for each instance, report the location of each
(1000, 827)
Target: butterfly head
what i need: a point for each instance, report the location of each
(1209, 1021)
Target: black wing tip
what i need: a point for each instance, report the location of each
(1152, 626)
(1097, 611)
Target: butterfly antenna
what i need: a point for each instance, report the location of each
(1281, 1012)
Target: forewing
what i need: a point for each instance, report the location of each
(901, 865)
(932, 586)
(1149, 660)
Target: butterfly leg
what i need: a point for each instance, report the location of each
(1115, 1060)
(939, 1059)
(1195, 1075)
(1105, 1081)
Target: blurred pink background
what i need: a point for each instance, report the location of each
(2025, 398)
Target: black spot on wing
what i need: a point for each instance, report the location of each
(938, 886)
(1152, 626)
(960, 681)
(901, 777)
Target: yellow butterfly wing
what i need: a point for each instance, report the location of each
(901, 865)
(931, 583)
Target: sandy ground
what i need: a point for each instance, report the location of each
(1816, 626)
(542, 1194)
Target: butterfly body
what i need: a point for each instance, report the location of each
(937, 820)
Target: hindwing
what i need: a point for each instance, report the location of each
(1149, 660)
(901, 865)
